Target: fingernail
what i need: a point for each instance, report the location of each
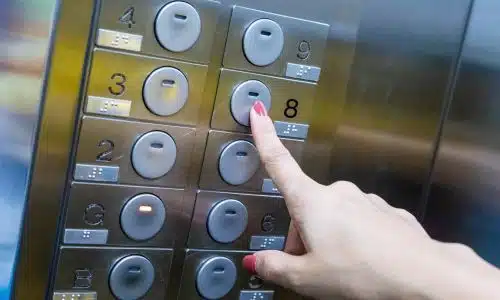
(249, 263)
(260, 109)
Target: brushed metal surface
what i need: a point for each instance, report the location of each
(217, 141)
(464, 201)
(145, 12)
(343, 18)
(112, 198)
(194, 258)
(60, 93)
(124, 134)
(258, 208)
(99, 261)
(387, 129)
(136, 68)
(295, 31)
(282, 90)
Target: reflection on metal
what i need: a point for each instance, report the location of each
(387, 128)
(62, 89)
(464, 204)
(25, 28)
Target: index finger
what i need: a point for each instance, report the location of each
(279, 163)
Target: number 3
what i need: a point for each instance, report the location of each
(119, 87)
(291, 108)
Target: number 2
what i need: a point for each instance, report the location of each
(128, 17)
(291, 108)
(107, 154)
(119, 87)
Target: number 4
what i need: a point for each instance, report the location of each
(128, 17)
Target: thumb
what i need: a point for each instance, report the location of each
(276, 267)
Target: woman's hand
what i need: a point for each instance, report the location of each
(344, 242)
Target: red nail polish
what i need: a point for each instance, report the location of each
(259, 107)
(249, 263)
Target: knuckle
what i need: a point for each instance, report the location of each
(406, 214)
(270, 270)
(461, 248)
(345, 187)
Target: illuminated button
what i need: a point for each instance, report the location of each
(143, 217)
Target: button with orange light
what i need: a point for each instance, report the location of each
(143, 217)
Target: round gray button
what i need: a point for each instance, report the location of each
(142, 217)
(244, 97)
(238, 162)
(154, 154)
(165, 91)
(263, 42)
(131, 277)
(178, 26)
(227, 220)
(216, 277)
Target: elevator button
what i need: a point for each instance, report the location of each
(154, 154)
(166, 91)
(131, 277)
(263, 42)
(244, 97)
(227, 220)
(216, 277)
(178, 26)
(238, 162)
(142, 217)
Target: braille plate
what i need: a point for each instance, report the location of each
(74, 296)
(291, 130)
(86, 236)
(261, 242)
(269, 187)
(309, 73)
(96, 173)
(119, 40)
(107, 106)
(256, 295)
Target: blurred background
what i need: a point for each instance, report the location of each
(24, 40)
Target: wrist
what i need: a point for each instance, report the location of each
(452, 271)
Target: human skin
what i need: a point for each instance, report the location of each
(344, 243)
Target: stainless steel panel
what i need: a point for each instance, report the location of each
(244, 282)
(464, 201)
(112, 198)
(217, 141)
(260, 209)
(295, 31)
(98, 262)
(282, 90)
(386, 131)
(61, 94)
(143, 19)
(133, 71)
(123, 135)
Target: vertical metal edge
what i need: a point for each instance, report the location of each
(447, 103)
(60, 101)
